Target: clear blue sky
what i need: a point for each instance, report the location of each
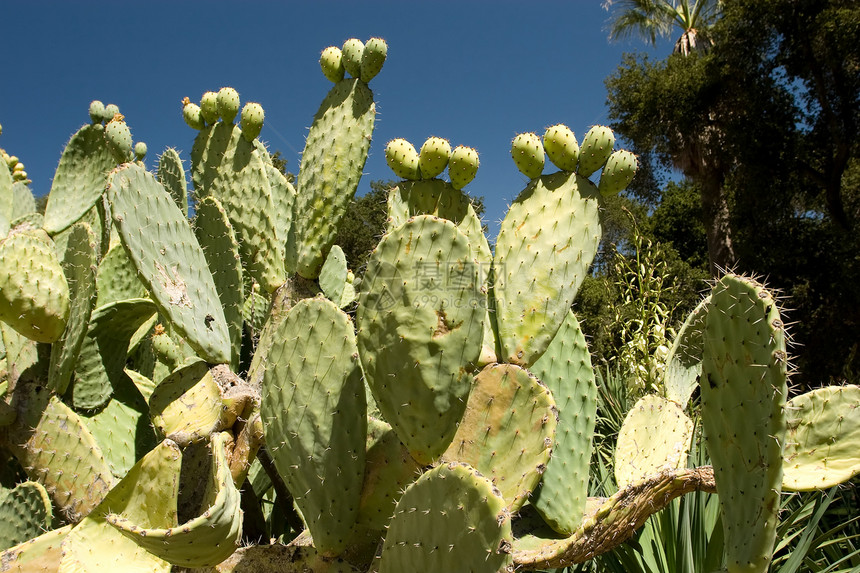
(476, 73)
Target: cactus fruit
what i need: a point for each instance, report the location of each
(139, 151)
(433, 157)
(118, 138)
(463, 166)
(372, 58)
(252, 120)
(192, 115)
(111, 110)
(595, 150)
(353, 50)
(331, 62)
(402, 159)
(97, 111)
(617, 173)
(227, 103)
(561, 147)
(528, 153)
(209, 107)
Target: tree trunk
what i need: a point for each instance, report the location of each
(721, 253)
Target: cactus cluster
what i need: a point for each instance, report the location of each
(173, 386)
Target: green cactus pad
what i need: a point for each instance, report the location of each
(147, 496)
(684, 362)
(388, 471)
(507, 431)
(97, 111)
(596, 148)
(42, 553)
(192, 115)
(140, 150)
(103, 353)
(187, 406)
(80, 178)
(118, 139)
(743, 391)
(34, 293)
(433, 157)
(451, 519)
(171, 175)
(332, 164)
(372, 58)
(283, 199)
(566, 369)
(6, 200)
(227, 103)
(252, 120)
(463, 166)
(821, 441)
(544, 249)
(654, 437)
(618, 172)
(221, 248)
(333, 276)
(169, 260)
(229, 168)
(561, 147)
(203, 541)
(209, 107)
(23, 202)
(352, 52)
(25, 512)
(56, 449)
(528, 154)
(111, 110)
(79, 266)
(420, 324)
(314, 414)
(402, 159)
(331, 62)
(116, 279)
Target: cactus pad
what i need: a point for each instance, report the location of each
(528, 153)
(227, 103)
(25, 512)
(331, 62)
(463, 166)
(402, 159)
(596, 148)
(561, 147)
(433, 157)
(353, 50)
(372, 58)
(618, 172)
(252, 120)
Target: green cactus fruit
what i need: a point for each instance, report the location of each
(333, 277)
(146, 496)
(389, 469)
(34, 293)
(684, 362)
(433, 157)
(209, 107)
(332, 164)
(654, 437)
(171, 175)
(80, 178)
(193, 115)
(25, 512)
(79, 266)
(352, 52)
(252, 120)
(331, 62)
(402, 159)
(527, 151)
(821, 441)
(618, 172)
(56, 449)
(187, 406)
(111, 110)
(463, 166)
(596, 149)
(103, 353)
(42, 553)
(545, 245)
(561, 147)
(372, 58)
(420, 325)
(234, 171)
(451, 519)
(743, 392)
(228, 104)
(221, 248)
(97, 111)
(203, 541)
(507, 431)
(118, 138)
(139, 151)
(319, 446)
(169, 260)
(565, 367)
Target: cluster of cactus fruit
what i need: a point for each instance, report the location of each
(172, 378)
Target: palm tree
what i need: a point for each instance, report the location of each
(651, 19)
